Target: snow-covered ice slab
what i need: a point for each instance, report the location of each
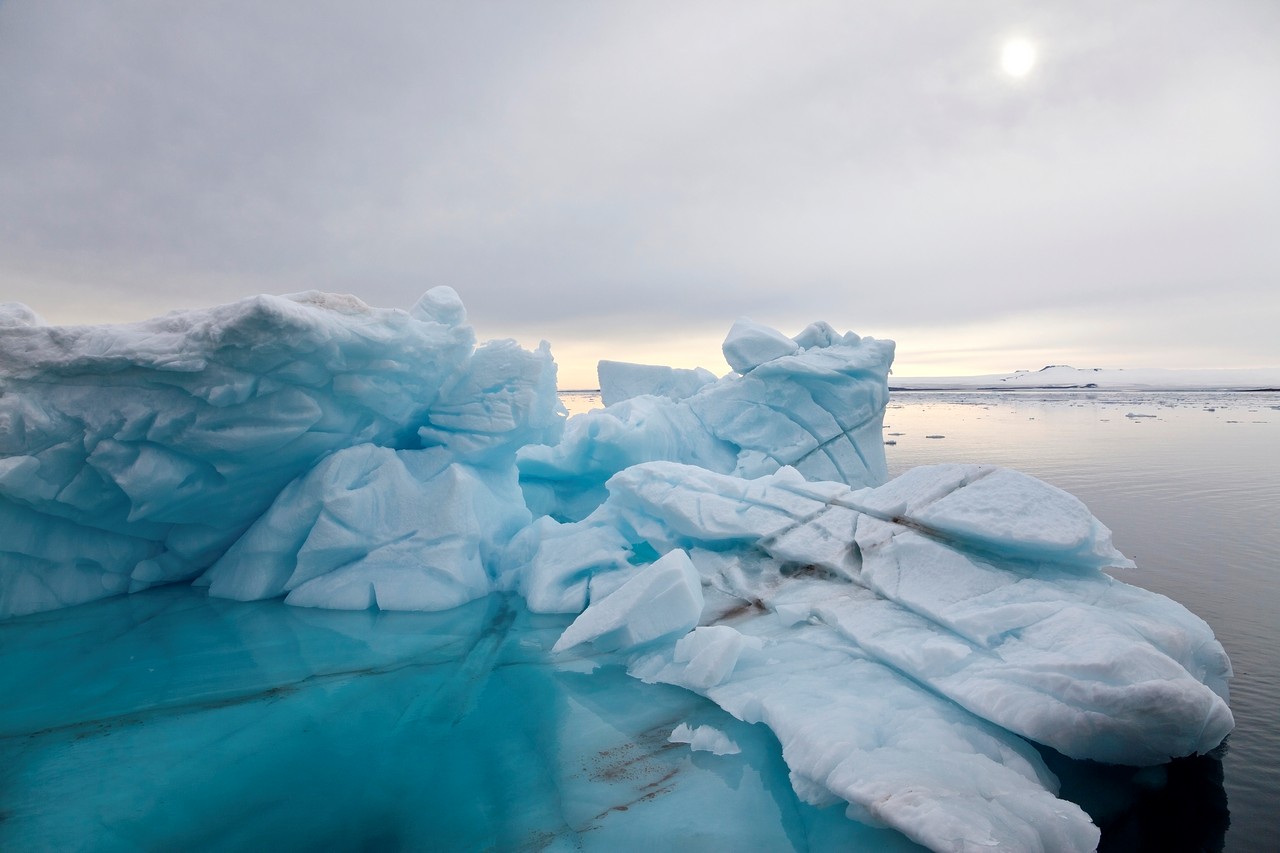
(897, 603)
(853, 730)
(1034, 637)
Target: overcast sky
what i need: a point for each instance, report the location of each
(625, 179)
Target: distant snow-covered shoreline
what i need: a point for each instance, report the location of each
(1063, 377)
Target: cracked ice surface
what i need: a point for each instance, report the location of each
(905, 641)
(886, 623)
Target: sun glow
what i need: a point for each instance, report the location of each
(1018, 57)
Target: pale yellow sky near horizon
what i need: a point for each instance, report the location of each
(995, 346)
(920, 352)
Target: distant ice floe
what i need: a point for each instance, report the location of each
(906, 640)
(1061, 376)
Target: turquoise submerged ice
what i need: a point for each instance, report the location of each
(905, 641)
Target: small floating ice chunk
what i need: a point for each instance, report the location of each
(704, 739)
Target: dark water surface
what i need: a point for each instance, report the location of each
(1189, 483)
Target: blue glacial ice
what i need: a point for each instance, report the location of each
(620, 380)
(137, 454)
(815, 403)
(908, 642)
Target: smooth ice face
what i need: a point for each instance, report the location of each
(621, 381)
(136, 454)
(814, 403)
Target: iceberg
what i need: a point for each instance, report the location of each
(814, 403)
(137, 454)
(913, 644)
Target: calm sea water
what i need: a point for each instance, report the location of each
(167, 720)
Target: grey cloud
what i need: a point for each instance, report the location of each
(632, 163)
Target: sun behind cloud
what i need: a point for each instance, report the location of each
(1018, 57)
